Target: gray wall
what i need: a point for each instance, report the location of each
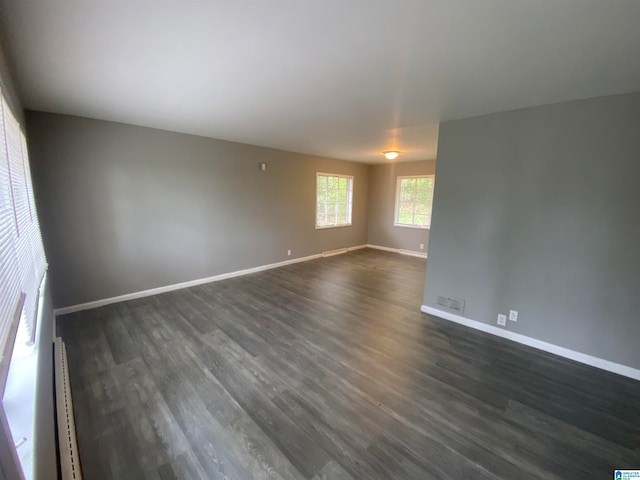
(537, 210)
(9, 90)
(382, 199)
(125, 208)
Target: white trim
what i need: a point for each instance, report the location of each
(335, 226)
(539, 344)
(191, 283)
(403, 225)
(339, 251)
(401, 251)
(331, 253)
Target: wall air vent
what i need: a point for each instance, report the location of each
(456, 305)
(453, 304)
(338, 251)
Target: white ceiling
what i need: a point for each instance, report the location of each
(338, 78)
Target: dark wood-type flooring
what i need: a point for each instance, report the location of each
(328, 370)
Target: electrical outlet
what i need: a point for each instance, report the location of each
(513, 315)
(422, 246)
(502, 320)
(288, 253)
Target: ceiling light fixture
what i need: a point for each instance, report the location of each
(391, 154)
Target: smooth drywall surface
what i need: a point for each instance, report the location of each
(382, 201)
(8, 87)
(536, 210)
(125, 209)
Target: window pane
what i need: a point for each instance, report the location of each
(410, 189)
(421, 220)
(406, 207)
(322, 182)
(405, 218)
(342, 183)
(321, 220)
(331, 219)
(321, 207)
(403, 189)
(423, 207)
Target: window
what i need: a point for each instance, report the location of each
(22, 261)
(333, 200)
(414, 196)
(22, 269)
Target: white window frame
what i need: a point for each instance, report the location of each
(396, 212)
(349, 212)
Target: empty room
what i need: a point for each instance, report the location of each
(337, 240)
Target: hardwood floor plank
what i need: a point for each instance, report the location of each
(327, 370)
(117, 335)
(333, 471)
(266, 455)
(301, 450)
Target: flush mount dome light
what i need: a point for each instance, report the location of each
(391, 154)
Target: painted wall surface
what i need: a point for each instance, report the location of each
(382, 200)
(537, 210)
(9, 90)
(125, 209)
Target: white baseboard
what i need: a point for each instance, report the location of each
(411, 253)
(190, 283)
(539, 344)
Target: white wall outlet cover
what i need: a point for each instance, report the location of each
(513, 315)
(422, 246)
(288, 252)
(502, 320)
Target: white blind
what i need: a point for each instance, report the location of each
(22, 259)
(10, 287)
(37, 249)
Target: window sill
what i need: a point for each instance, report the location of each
(334, 226)
(412, 226)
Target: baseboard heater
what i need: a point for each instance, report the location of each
(337, 251)
(67, 441)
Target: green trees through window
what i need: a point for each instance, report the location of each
(333, 200)
(414, 196)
